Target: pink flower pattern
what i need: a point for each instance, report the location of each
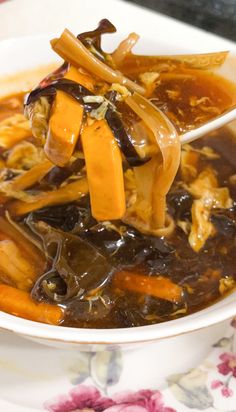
(88, 397)
(226, 392)
(216, 384)
(228, 364)
(79, 398)
(226, 368)
(141, 401)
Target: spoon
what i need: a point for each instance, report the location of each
(208, 127)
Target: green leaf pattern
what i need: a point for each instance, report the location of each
(103, 368)
(191, 390)
(106, 368)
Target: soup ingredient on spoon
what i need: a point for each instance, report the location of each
(65, 121)
(104, 171)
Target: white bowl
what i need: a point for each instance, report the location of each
(173, 337)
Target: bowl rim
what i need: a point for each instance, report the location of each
(216, 313)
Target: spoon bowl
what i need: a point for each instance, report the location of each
(208, 127)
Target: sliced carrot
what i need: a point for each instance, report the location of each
(104, 171)
(66, 194)
(19, 303)
(65, 121)
(157, 286)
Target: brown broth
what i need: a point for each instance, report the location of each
(199, 273)
(195, 98)
(189, 97)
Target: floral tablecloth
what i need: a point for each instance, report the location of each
(211, 387)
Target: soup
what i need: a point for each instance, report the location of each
(106, 221)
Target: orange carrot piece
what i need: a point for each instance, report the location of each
(158, 286)
(66, 194)
(19, 303)
(65, 121)
(104, 171)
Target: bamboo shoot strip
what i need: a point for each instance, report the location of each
(72, 50)
(66, 194)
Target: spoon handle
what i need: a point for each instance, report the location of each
(208, 127)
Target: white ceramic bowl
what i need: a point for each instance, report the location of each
(173, 337)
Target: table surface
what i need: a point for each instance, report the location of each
(216, 16)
